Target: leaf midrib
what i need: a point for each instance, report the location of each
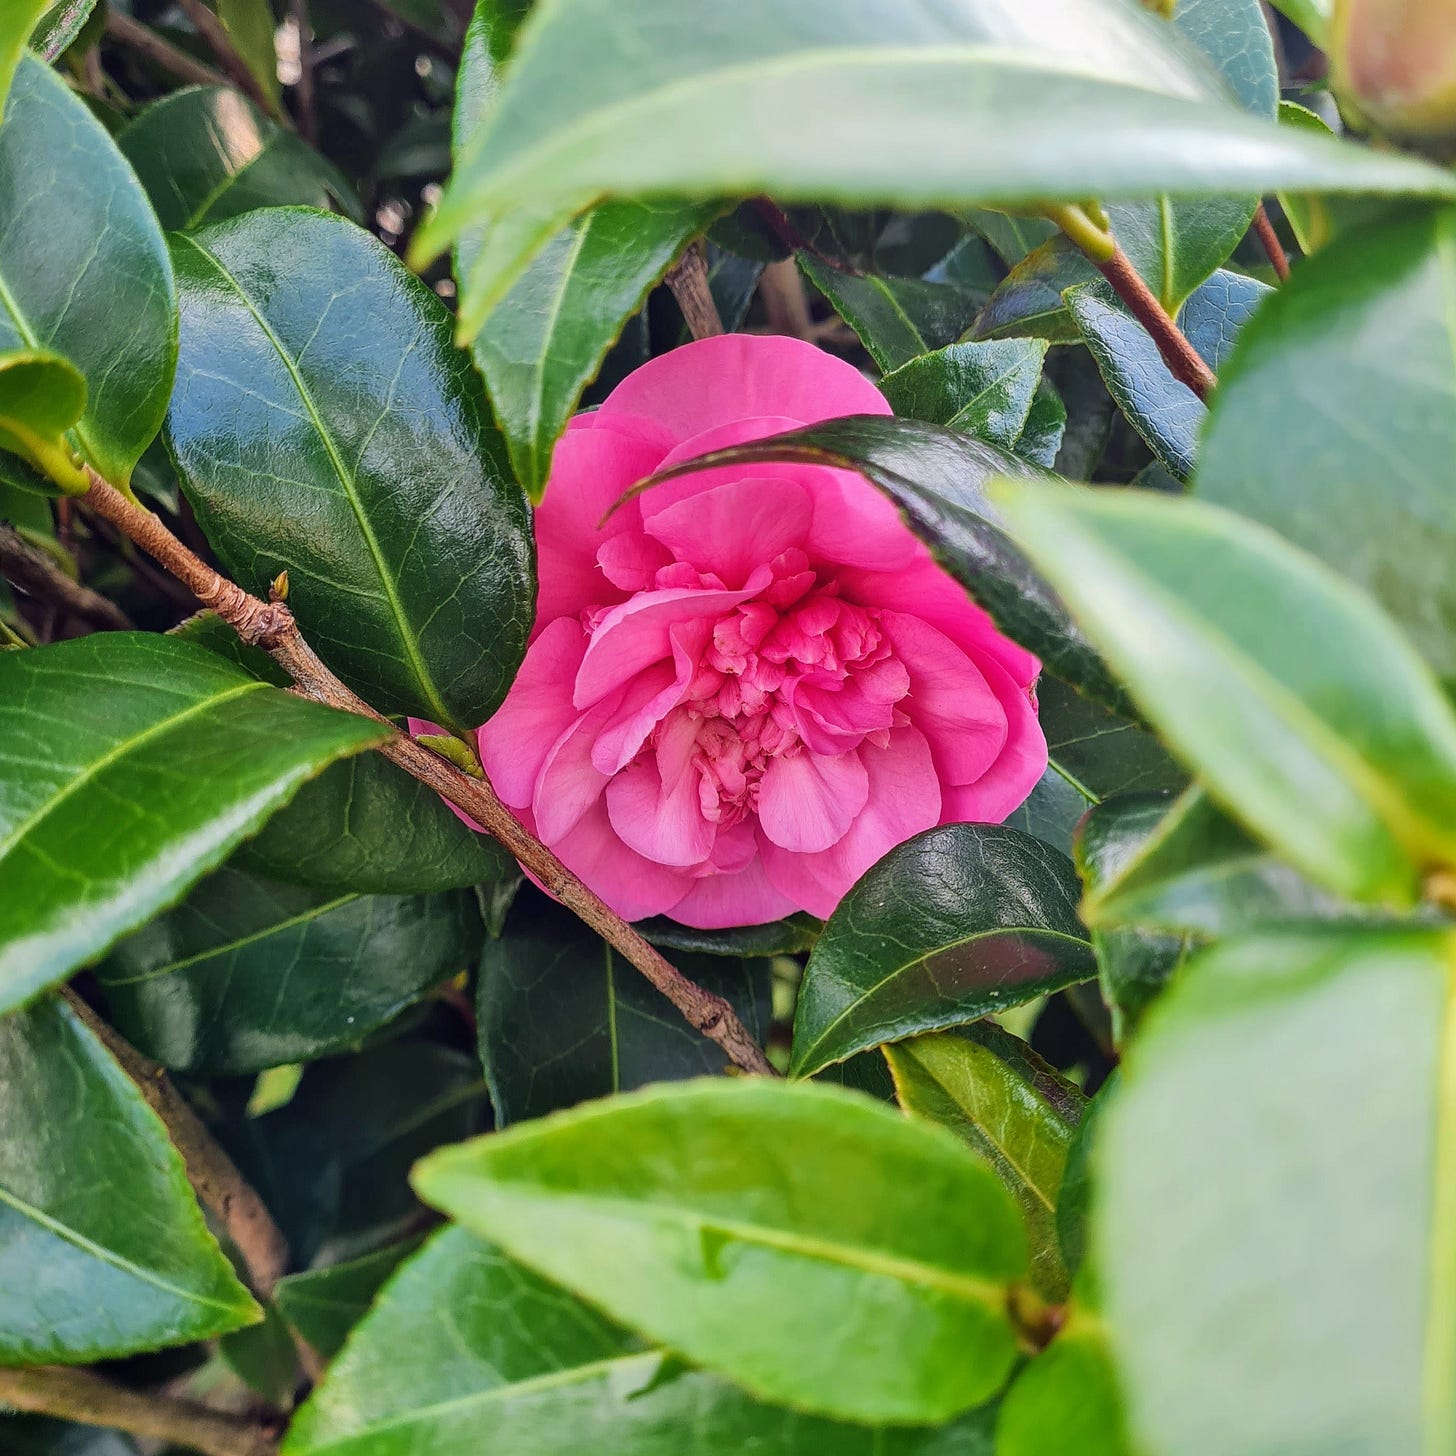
(117, 753)
(438, 711)
(97, 1251)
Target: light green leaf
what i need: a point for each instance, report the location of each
(990, 1088)
(1277, 1190)
(19, 19)
(1297, 701)
(59, 26)
(771, 1232)
(466, 1352)
(957, 923)
(250, 27)
(87, 1274)
(129, 766)
(1334, 421)
(983, 389)
(1011, 103)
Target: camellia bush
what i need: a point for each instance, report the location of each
(726, 728)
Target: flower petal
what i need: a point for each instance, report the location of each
(719, 902)
(732, 528)
(807, 801)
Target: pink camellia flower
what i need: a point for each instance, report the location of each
(747, 685)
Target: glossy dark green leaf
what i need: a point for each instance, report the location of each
(1134, 963)
(1162, 409)
(323, 1305)
(1067, 1399)
(957, 923)
(83, 269)
(563, 1018)
(41, 1436)
(545, 342)
(1293, 1093)
(1192, 870)
(991, 1089)
(789, 936)
(833, 98)
(248, 973)
(1092, 753)
(333, 1163)
(768, 1231)
(524, 1368)
(1046, 427)
(207, 153)
(984, 389)
(129, 766)
(937, 478)
(60, 24)
(88, 1274)
(897, 319)
(1011, 236)
(324, 424)
(1296, 699)
(1333, 422)
(363, 825)
(264, 1358)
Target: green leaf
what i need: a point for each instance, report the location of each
(833, 98)
(1162, 409)
(1234, 35)
(247, 973)
(1191, 870)
(264, 1358)
(527, 1369)
(207, 153)
(41, 1436)
(1334, 422)
(20, 18)
(345, 440)
(366, 826)
(954, 924)
(897, 319)
(790, 936)
(59, 26)
(1134, 964)
(250, 27)
(1046, 427)
(333, 1163)
(991, 1089)
(88, 1274)
(1092, 753)
(1067, 1399)
(1311, 16)
(1295, 698)
(937, 478)
(129, 766)
(1293, 1093)
(563, 1018)
(41, 397)
(767, 1231)
(323, 1305)
(546, 340)
(983, 389)
(83, 270)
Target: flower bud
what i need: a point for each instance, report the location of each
(1394, 63)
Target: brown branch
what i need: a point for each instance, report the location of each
(1180, 356)
(270, 625)
(211, 1172)
(785, 308)
(688, 280)
(161, 52)
(82, 1395)
(214, 35)
(32, 571)
(1264, 231)
(303, 93)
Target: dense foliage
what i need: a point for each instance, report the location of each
(1112, 354)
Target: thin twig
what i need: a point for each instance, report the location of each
(82, 1395)
(1178, 353)
(688, 280)
(211, 1172)
(31, 570)
(1264, 230)
(161, 52)
(214, 34)
(270, 625)
(303, 96)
